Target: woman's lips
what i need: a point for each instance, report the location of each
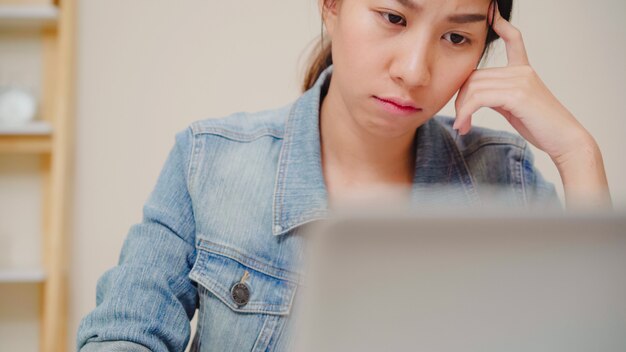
(396, 106)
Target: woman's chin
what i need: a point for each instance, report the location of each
(384, 126)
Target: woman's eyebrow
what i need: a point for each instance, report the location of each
(459, 19)
(467, 18)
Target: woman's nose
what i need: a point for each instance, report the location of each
(411, 66)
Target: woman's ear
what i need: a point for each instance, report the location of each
(328, 10)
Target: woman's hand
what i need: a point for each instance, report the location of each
(518, 94)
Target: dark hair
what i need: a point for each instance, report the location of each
(321, 57)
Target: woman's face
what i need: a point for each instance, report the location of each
(388, 49)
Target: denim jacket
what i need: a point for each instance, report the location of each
(231, 198)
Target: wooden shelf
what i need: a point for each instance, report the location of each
(14, 276)
(19, 16)
(55, 20)
(25, 144)
(31, 128)
(31, 138)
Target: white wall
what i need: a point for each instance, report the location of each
(149, 68)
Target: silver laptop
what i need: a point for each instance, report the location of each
(378, 281)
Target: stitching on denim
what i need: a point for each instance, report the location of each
(225, 292)
(522, 173)
(278, 330)
(278, 183)
(473, 148)
(262, 335)
(450, 147)
(191, 169)
(221, 293)
(306, 218)
(267, 329)
(467, 180)
(282, 169)
(190, 157)
(240, 136)
(252, 263)
(506, 138)
(195, 150)
(289, 145)
(201, 314)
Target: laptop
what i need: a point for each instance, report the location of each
(488, 281)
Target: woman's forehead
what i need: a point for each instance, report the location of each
(420, 5)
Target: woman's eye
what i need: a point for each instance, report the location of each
(393, 19)
(455, 38)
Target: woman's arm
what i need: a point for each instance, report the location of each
(583, 176)
(518, 94)
(146, 301)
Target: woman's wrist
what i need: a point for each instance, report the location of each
(583, 175)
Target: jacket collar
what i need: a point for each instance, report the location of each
(300, 194)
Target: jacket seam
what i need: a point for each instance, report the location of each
(267, 330)
(282, 171)
(278, 333)
(518, 167)
(189, 185)
(253, 306)
(240, 136)
(458, 156)
(451, 146)
(488, 142)
(314, 215)
(522, 175)
(190, 155)
(248, 261)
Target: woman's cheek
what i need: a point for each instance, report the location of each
(462, 72)
(356, 43)
(452, 76)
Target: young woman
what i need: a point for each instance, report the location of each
(221, 228)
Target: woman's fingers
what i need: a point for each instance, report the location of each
(499, 87)
(515, 49)
(496, 97)
(496, 81)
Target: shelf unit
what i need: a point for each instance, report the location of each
(35, 137)
(22, 276)
(51, 138)
(28, 15)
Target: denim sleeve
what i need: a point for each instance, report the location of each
(147, 300)
(539, 193)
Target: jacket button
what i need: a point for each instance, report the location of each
(240, 293)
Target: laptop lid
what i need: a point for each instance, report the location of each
(475, 282)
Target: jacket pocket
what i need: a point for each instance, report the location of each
(222, 322)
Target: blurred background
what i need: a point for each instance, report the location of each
(106, 84)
